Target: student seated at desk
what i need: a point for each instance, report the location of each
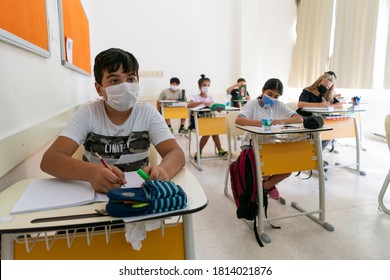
(205, 99)
(321, 94)
(235, 93)
(117, 128)
(252, 115)
(172, 93)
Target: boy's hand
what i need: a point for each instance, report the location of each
(104, 179)
(156, 173)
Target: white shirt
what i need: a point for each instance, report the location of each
(126, 145)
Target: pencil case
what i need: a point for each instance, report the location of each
(155, 196)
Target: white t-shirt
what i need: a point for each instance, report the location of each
(255, 111)
(199, 98)
(126, 145)
(167, 94)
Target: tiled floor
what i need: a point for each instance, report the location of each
(362, 231)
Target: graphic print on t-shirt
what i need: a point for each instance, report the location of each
(116, 146)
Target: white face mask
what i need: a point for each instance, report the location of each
(205, 90)
(174, 88)
(123, 96)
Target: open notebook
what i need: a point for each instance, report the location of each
(45, 194)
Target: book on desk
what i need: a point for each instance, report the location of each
(53, 193)
(319, 109)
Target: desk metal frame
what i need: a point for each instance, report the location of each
(211, 125)
(86, 219)
(315, 136)
(343, 116)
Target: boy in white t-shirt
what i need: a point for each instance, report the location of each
(203, 98)
(252, 114)
(172, 93)
(116, 128)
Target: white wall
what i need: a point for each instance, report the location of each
(224, 39)
(34, 88)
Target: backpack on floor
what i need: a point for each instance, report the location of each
(243, 181)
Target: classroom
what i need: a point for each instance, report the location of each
(292, 40)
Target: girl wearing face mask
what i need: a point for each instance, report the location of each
(252, 114)
(321, 93)
(117, 128)
(205, 99)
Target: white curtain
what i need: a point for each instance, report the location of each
(311, 52)
(354, 42)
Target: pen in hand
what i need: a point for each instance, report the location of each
(107, 166)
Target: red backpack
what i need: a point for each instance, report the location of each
(243, 180)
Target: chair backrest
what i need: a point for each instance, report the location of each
(232, 130)
(78, 154)
(387, 129)
(153, 155)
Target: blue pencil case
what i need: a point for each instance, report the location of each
(155, 197)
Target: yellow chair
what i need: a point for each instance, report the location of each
(232, 133)
(387, 179)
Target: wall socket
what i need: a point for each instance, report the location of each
(151, 74)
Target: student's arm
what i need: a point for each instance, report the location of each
(294, 119)
(337, 103)
(302, 104)
(58, 161)
(229, 89)
(193, 104)
(240, 120)
(173, 160)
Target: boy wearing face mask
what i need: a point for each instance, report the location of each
(321, 94)
(252, 115)
(172, 93)
(204, 98)
(116, 128)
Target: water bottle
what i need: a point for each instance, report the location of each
(227, 100)
(183, 95)
(266, 120)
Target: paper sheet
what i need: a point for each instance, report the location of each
(44, 194)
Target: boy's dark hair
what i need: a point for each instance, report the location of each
(241, 80)
(174, 80)
(111, 60)
(274, 84)
(202, 79)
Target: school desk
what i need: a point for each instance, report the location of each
(173, 109)
(81, 233)
(207, 122)
(285, 150)
(346, 123)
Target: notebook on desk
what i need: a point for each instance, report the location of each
(318, 109)
(53, 193)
